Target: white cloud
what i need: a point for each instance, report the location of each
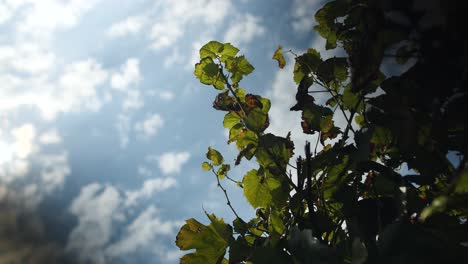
(22, 186)
(130, 75)
(150, 126)
(42, 18)
(54, 170)
(171, 162)
(244, 29)
(27, 58)
(96, 207)
(166, 95)
(74, 90)
(174, 58)
(142, 232)
(171, 22)
(149, 188)
(132, 101)
(303, 12)
(24, 140)
(130, 25)
(123, 128)
(101, 214)
(50, 137)
(144, 171)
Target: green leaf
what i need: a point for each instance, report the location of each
(210, 242)
(276, 222)
(211, 50)
(228, 51)
(238, 67)
(240, 226)
(317, 118)
(274, 151)
(211, 69)
(305, 64)
(351, 99)
(462, 184)
(256, 120)
(278, 55)
(259, 189)
(231, 119)
(333, 69)
(437, 206)
(215, 157)
(204, 71)
(206, 166)
(223, 170)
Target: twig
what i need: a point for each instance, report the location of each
(225, 194)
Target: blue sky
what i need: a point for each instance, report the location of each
(103, 126)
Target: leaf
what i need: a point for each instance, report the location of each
(238, 67)
(278, 55)
(256, 120)
(224, 102)
(240, 226)
(228, 51)
(462, 184)
(231, 119)
(276, 222)
(223, 170)
(438, 205)
(274, 151)
(204, 71)
(206, 166)
(210, 242)
(317, 118)
(350, 100)
(305, 64)
(215, 157)
(333, 69)
(211, 69)
(211, 49)
(259, 189)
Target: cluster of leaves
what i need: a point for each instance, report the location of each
(349, 202)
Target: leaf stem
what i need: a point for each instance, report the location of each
(225, 194)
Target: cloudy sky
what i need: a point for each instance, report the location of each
(103, 126)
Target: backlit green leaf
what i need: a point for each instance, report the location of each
(223, 170)
(256, 120)
(206, 166)
(278, 56)
(215, 157)
(210, 242)
(204, 71)
(259, 189)
(231, 119)
(211, 49)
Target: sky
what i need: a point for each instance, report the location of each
(103, 125)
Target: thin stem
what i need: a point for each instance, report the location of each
(225, 194)
(316, 143)
(234, 181)
(317, 92)
(232, 90)
(348, 126)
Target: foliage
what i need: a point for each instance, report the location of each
(349, 202)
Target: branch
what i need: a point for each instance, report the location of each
(225, 194)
